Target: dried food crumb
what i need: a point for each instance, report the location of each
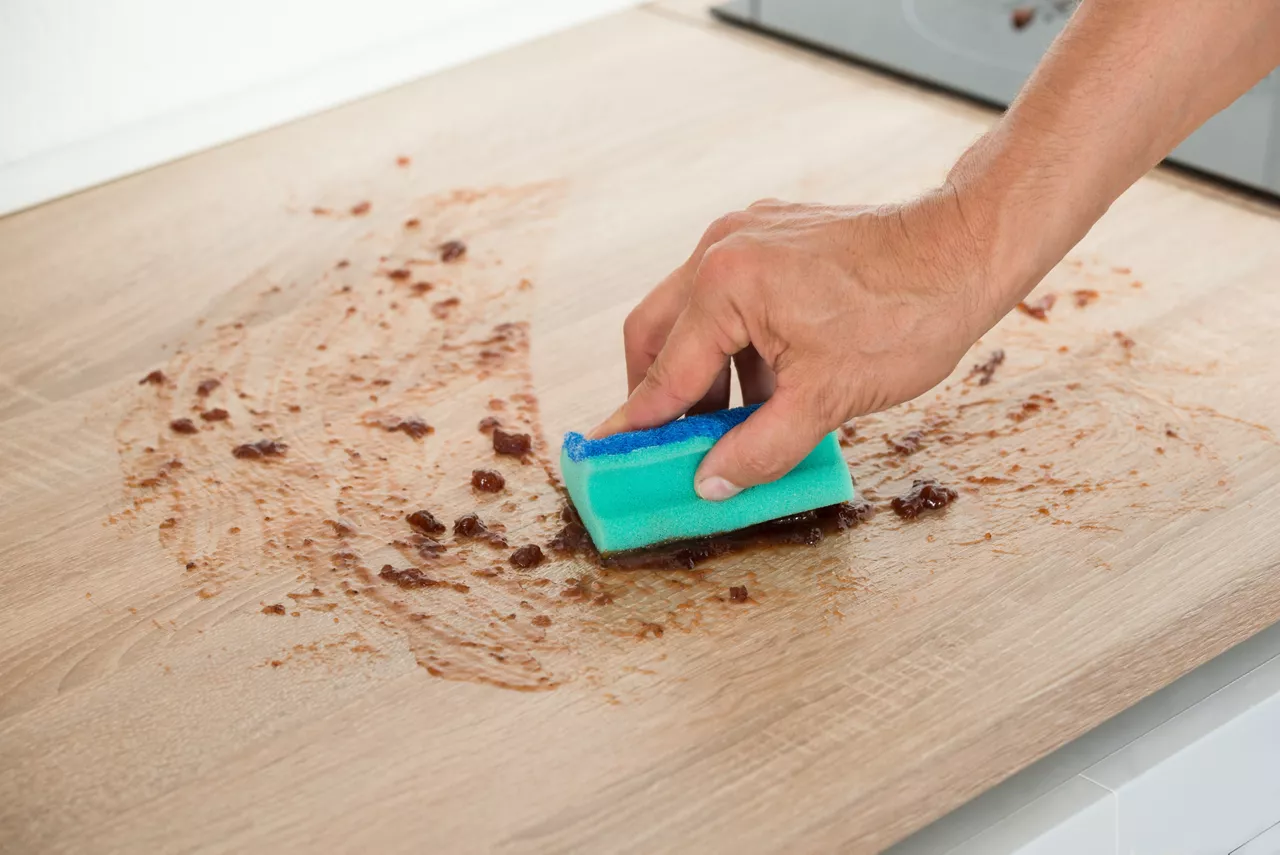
(527, 556)
(738, 594)
(183, 426)
(1040, 308)
(924, 495)
(515, 444)
(452, 250)
(425, 522)
(487, 481)
(260, 449)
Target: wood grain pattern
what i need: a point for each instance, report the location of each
(147, 702)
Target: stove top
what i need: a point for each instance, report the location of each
(985, 49)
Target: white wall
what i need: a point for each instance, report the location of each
(94, 89)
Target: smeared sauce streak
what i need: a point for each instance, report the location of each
(807, 529)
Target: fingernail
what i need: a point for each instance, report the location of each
(716, 489)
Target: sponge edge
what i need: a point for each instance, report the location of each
(634, 490)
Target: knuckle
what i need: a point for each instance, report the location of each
(723, 263)
(726, 225)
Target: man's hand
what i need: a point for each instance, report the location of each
(828, 313)
(851, 310)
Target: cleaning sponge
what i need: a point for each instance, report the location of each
(635, 489)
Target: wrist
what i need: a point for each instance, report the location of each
(1023, 207)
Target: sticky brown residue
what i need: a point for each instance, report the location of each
(527, 556)
(425, 522)
(1084, 296)
(925, 495)
(487, 481)
(297, 366)
(183, 425)
(206, 386)
(907, 443)
(985, 370)
(260, 450)
(513, 444)
(1040, 308)
(217, 414)
(452, 250)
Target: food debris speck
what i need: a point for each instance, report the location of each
(514, 444)
(260, 449)
(403, 160)
(425, 522)
(924, 495)
(183, 426)
(985, 370)
(541, 620)
(909, 443)
(412, 223)
(155, 378)
(217, 414)
(1084, 296)
(409, 577)
(452, 250)
(413, 427)
(487, 481)
(443, 308)
(1022, 16)
(488, 423)
(1040, 308)
(207, 386)
(527, 556)
(273, 609)
(360, 209)
(738, 594)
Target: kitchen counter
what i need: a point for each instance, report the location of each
(1111, 534)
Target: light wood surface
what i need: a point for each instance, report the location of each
(147, 702)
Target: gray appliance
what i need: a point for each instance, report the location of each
(986, 49)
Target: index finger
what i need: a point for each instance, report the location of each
(681, 374)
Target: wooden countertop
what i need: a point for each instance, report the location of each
(1115, 536)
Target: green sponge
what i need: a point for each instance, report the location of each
(635, 489)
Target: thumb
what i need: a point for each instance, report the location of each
(763, 448)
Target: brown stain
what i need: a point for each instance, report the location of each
(329, 513)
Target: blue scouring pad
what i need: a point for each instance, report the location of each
(635, 489)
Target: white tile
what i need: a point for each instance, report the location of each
(1266, 843)
(1206, 781)
(1076, 817)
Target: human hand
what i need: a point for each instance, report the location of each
(829, 312)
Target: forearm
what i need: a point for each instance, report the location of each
(1124, 84)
